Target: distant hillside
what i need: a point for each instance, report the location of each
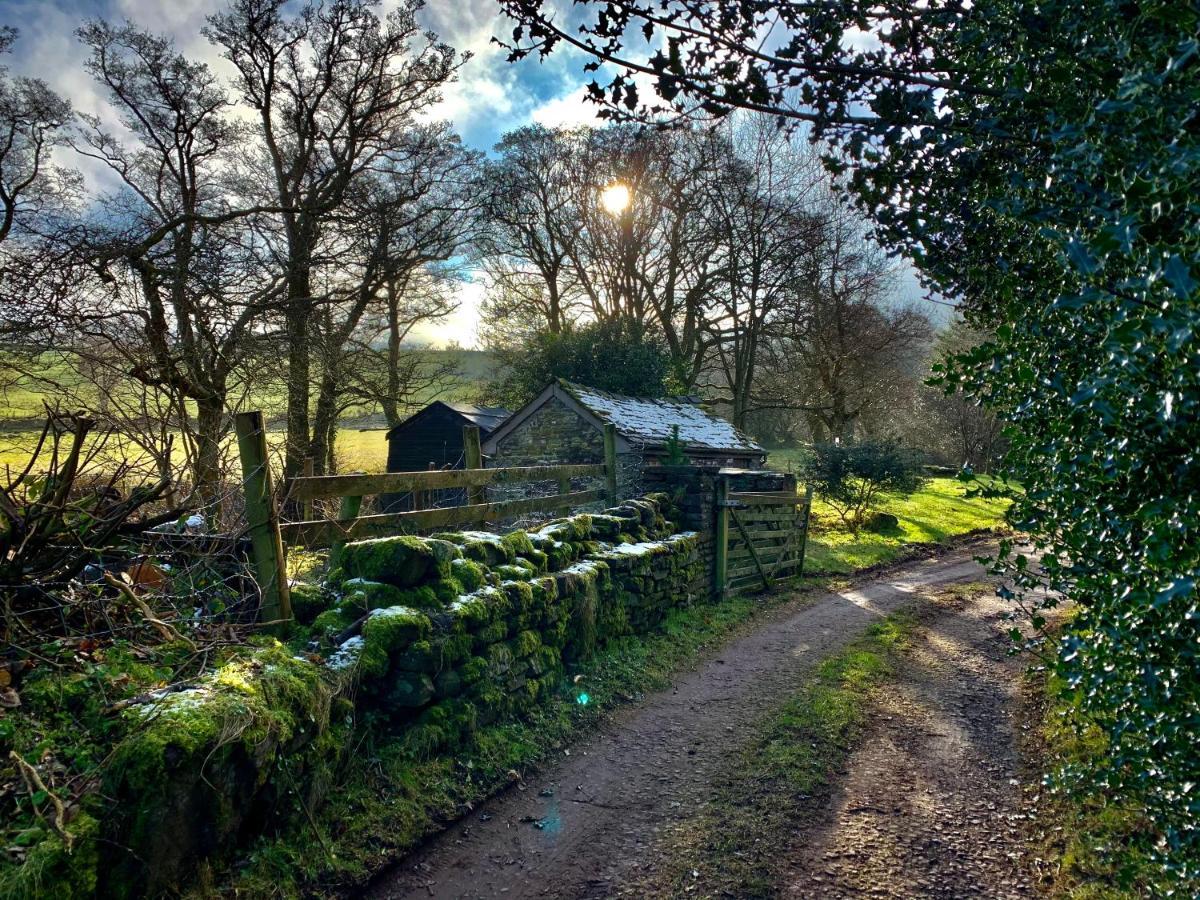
(21, 399)
(475, 365)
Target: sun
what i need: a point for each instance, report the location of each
(615, 198)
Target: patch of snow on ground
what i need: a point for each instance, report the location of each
(347, 654)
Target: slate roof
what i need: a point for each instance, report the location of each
(650, 421)
(486, 417)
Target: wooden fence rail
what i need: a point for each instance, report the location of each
(268, 534)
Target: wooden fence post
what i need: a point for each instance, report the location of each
(473, 459)
(610, 462)
(808, 494)
(262, 520)
(309, 469)
(721, 536)
(348, 509)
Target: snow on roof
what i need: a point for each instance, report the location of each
(652, 420)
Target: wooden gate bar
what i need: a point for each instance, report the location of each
(322, 533)
(750, 546)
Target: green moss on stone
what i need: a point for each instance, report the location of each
(360, 596)
(308, 601)
(419, 656)
(539, 560)
(446, 592)
(486, 548)
(513, 573)
(519, 594)
(518, 543)
(606, 528)
(454, 648)
(468, 573)
(472, 611)
(525, 644)
(490, 634)
(385, 633)
(403, 561)
(473, 670)
(331, 623)
(581, 526)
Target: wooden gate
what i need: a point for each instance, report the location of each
(765, 535)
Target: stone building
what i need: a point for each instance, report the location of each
(565, 424)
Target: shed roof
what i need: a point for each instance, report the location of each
(643, 421)
(486, 417)
(652, 421)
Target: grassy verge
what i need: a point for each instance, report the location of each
(939, 511)
(735, 848)
(1093, 850)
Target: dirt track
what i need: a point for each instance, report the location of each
(590, 820)
(929, 804)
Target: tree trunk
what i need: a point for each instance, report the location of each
(324, 421)
(297, 390)
(207, 485)
(390, 403)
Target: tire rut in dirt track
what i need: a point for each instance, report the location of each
(929, 805)
(653, 764)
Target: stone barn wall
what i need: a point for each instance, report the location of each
(555, 434)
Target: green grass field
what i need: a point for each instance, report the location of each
(940, 510)
(22, 409)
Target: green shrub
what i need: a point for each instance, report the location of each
(851, 477)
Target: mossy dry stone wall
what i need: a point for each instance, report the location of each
(463, 629)
(434, 636)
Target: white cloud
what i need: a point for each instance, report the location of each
(567, 111)
(461, 326)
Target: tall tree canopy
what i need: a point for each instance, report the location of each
(615, 355)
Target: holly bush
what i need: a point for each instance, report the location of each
(851, 477)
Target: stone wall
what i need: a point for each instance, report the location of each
(465, 628)
(437, 635)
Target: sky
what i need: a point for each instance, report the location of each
(490, 97)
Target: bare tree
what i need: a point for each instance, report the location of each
(762, 210)
(391, 372)
(416, 211)
(531, 224)
(189, 313)
(555, 252)
(959, 427)
(334, 88)
(39, 232)
(853, 352)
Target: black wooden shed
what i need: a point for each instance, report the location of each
(433, 438)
